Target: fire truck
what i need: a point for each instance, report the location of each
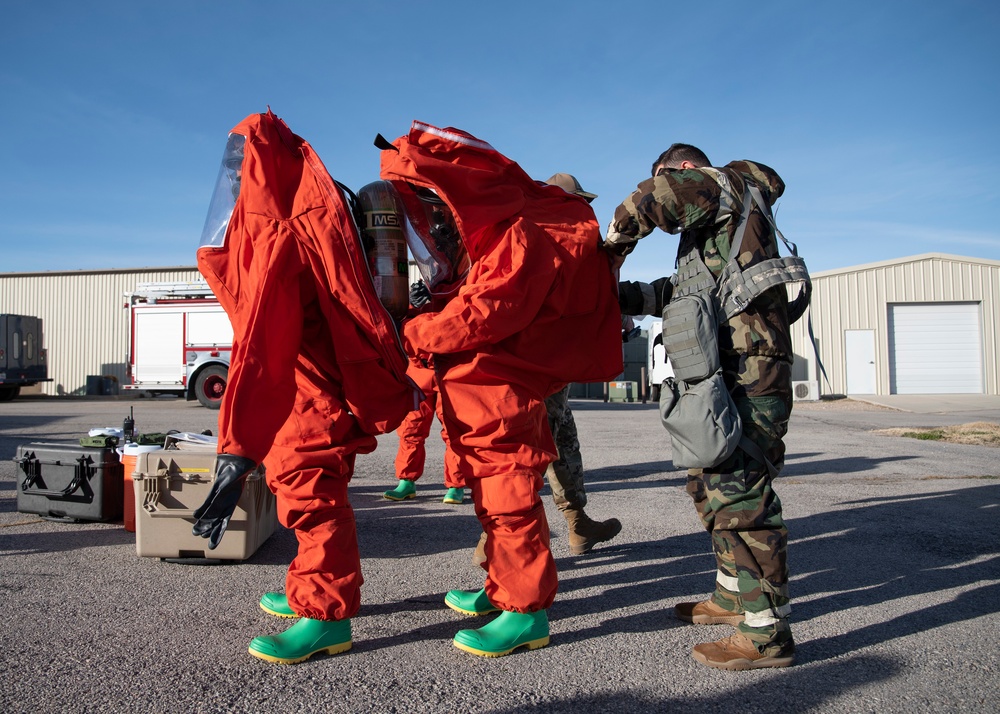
(22, 356)
(179, 341)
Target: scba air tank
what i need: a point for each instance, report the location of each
(386, 245)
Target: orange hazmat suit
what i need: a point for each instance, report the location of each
(416, 427)
(537, 310)
(316, 368)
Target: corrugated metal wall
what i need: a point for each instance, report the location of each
(858, 299)
(85, 321)
(86, 325)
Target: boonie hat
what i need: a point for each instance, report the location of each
(569, 184)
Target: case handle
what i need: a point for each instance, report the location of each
(32, 468)
(151, 493)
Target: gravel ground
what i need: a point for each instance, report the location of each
(893, 552)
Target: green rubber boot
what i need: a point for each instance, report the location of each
(505, 634)
(276, 604)
(470, 603)
(302, 640)
(454, 495)
(404, 489)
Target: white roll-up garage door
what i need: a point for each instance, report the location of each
(935, 348)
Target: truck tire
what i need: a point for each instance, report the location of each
(654, 393)
(211, 385)
(8, 392)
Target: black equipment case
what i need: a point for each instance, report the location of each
(66, 481)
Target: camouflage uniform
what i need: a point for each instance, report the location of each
(735, 500)
(565, 474)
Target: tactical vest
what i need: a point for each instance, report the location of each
(686, 326)
(738, 286)
(703, 422)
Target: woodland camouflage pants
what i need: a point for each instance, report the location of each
(565, 474)
(738, 506)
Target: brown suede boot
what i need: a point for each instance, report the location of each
(479, 557)
(584, 533)
(738, 652)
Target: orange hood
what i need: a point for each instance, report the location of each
(539, 306)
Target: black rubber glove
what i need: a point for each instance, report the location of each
(664, 290)
(636, 298)
(212, 517)
(419, 294)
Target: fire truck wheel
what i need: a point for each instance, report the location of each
(211, 385)
(9, 392)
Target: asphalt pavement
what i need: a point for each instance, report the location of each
(893, 553)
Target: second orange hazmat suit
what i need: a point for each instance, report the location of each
(416, 427)
(538, 309)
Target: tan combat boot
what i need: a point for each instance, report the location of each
(479, 556)
(739, 652)
(584, 533)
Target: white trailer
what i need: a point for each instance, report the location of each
(180, 340)
(657, 365)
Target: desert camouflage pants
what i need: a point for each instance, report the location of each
(738, 506)
(565, 474)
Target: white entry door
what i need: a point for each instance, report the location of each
(860, 348)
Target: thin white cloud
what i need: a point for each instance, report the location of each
(904, 233)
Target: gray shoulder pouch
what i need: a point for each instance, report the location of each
(690, 336)
(702, 420)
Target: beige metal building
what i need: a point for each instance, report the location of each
(85, 319)
(927, 324)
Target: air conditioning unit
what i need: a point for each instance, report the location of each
(805, 391)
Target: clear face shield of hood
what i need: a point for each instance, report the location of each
(227, 190)
(433, 239)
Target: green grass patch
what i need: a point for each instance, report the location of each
(924, 435)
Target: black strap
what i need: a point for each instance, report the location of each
(812, 341)
(382, 143)
(757, 454)
(353, 197)
(353, 203)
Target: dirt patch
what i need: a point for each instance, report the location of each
(844, 404)
(979, 433)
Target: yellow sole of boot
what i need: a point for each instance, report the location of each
(531, 645)
(269, 611)
(398, 498)
(332, 650)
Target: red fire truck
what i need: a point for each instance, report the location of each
(179, 341)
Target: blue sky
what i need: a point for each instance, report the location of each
(881, 116)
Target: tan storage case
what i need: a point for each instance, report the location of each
(171, 483)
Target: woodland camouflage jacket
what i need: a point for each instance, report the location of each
(704, 206)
